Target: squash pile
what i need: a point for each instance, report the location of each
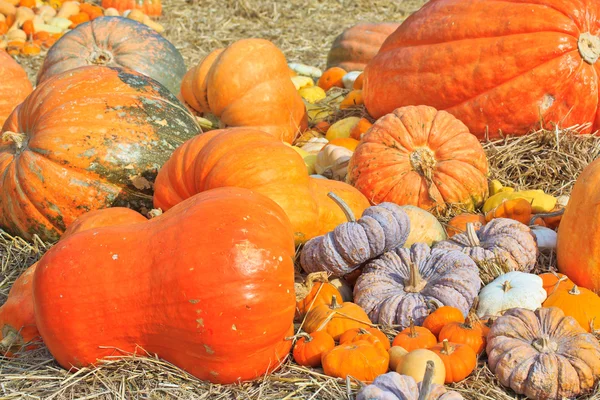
(256, 212)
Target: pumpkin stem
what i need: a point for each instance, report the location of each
(427, 378)
(100, 57)
(472, 235)
(575, 290)
(17, 138)
(334, 304)
(546, 215)
(506, 286)
(345, 208)
(9, 341)
(432, 305)
(422, 160)
(413, 332)
(447, 349)
(306, 336)
(589, 47)
(545, 345)
(415, 282)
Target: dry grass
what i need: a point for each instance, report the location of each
(304, 30)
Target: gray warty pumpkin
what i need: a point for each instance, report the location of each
(543, 354)
(400, 284)
(503, 240)
(381, 228)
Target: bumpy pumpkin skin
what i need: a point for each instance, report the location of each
(578, 243)
(14, 86)
(221, 261)
(357, 45)
(116, 42)
(384, 289)
(393, 386)
(66, 156)
(543, 354)
(245, 157)
(451, 64)
(422, 157)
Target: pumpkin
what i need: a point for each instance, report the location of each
(424, 227)
(501, 241)
(332, 77)
(539, 201)
(579, 303)
(314, 291)
(469, 333)
(447, 63)
(342, 128)
(347, 143)
(415, 337)
(116, 42)
(180, 278)
(260, 95)
(83, 141)
(360, 359)
(14, 87)
(393, 386)
(361, 127)
(332, 162)
(458, 224)
(415, 364)
(543, 354)
(442, 316)
(552, 281)
(518, 209)
(309, 349)
(256, 160)
(578, 243)
(336, 318)
(510, 290)
(381, 228)
(396, 354)
(368, 334)
(352, 99)
(400, 284)
(459, 359)
(17, 318)
(149, 7)
(357, 45)
(423, 157)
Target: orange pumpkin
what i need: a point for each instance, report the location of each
(348, 143)
(336, 318)
(332, 77)
(553, 281)
(259, 95)
(415, 337)
(256, 160)
(579, 303)
(352, 99)
(14, 85)
(459, 359)
(423, 157)
(58, 161)
(361, 127)
(360, 359)
(468, 333)
(517, 209)
(309, 349)
(358, 83)
(372, 335)
(151, 271)
(450, 63)
(149, 7)
(442, 316)
(314, 291)
(458, 224)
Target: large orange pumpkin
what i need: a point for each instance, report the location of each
(495, 65)
(578, 243)
(248, 84)
(357, 45)
(422, 157)
(89, 138)
(14, 85)
(207, 286)
(256, 160)
(116, 42)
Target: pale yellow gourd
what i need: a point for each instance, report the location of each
(312, 94)
(396, 353)
(7, 8)
(341, 128)
(46, 13)
(22, 15)
(307, 135)
(68, 9)
(332, 162)
(414, 364)
(111, 12)
(301, 82)
(314, 145)
(540, 201)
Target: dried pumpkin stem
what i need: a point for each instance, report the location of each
(334, 304)
(546, 215)
(411, 327)
(422, 160)
(100, 57)
(472, 235)
(589, 47)
(345, 208)
(545, 345)
(427, 378)
(17, 138)
(506, 286)
(9, 341)
(447, 349)
(415, 282)
(575, 290)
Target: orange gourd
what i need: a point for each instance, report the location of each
(469, 333)
(358, 82)
(322, 126)
(79, 19)
(3, 27)
(348, 143)
(579, 303)
(314, 291)
(415, 337)
(553, 281)
(458, 224)
(360, 359)
(442, 316)
(361, 127)
(352, 99)
(459, 359)
(14, 86)
(517, 209)
(336, 318)
(154, 270)
(372, 335)
(331, 77)
(309, 349)
(28, 27)
(152, 8)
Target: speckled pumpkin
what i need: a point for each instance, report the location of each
(89, 138)
(503, 241)
(400, 284)
(543, 354)
(393, 386)
(381, 228)
(116, 42)
(14, 85)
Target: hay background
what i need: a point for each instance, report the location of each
(304, 30)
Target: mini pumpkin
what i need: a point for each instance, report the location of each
(381, 228)
(314, 291)
(424, 227)
(553, 281)
(400, 284)
(543, 354)
(442, 316)
(309, 349)
(414, 337)
(360, 359)
(458, 224)
(502, 241)
(396, 354)
(518, 209)
(336, 318)
(416, 362)
(459, 359)
(579, 303)
(354, 334)
(469, 333)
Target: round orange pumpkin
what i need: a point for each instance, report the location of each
(446, 55)
(441, 317)
(372, 335)
(458, 224)
(314, 291)
(360, 359)
(422, 157)
(459, 359)
(415, 337)
(468, 333)
(309, 349)
(14, 85)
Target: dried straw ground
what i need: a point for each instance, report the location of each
(548, 160)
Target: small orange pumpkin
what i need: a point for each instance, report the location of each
(347, 143)
(309, 349)
(579, 303)
(336, 318)
(368, 334)
(441, 317)
(358, 82)
(360, 359)
(352, 99)
(360, 128)
(314, 291)
(415, 337)
(517, 209)
(332, 77)
(468, 333)
(459, 359)
(553, 281)
(458, 224)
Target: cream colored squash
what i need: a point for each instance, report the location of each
(514, 289)
(424, 227)
(332, 162)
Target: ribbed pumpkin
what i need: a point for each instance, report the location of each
(422, 157)
(357, 45)
(578, 246)
(446, 55)
(14, 86)
(256, 160)
(83, 141)
(149, 7)
(221, 262)
(248, 84)
(579, 303)
(116, 42)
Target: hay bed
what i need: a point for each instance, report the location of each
(548, 160)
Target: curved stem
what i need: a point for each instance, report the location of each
(342, 204)
(17, 138)
(546, 215)
(426, 384)
(472, 235)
